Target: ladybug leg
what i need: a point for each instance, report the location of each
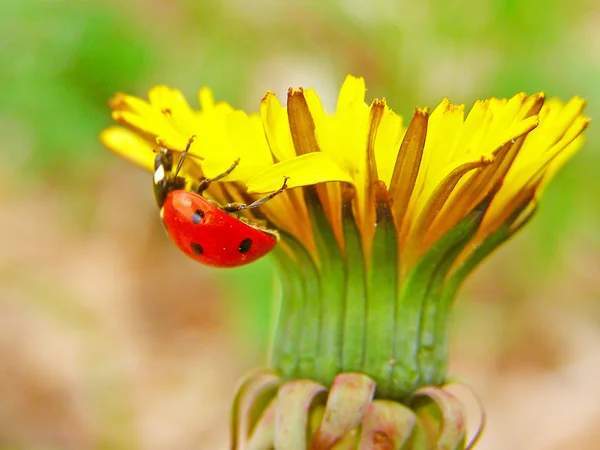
(184, 154)
(235, 207)
(205, 183)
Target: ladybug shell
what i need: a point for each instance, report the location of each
(209, 235)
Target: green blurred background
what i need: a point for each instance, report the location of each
(112, 339)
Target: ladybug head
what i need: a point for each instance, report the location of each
(165, 180)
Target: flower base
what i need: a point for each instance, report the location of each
(302, 414)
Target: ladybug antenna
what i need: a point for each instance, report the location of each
(184, 154)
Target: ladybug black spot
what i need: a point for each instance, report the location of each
(196, 248)
(197, 216)
(245, 246)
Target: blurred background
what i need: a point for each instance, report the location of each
(112, 339)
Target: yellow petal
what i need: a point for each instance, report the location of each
(206, 99)
(276, 126)
(175, 109)
(352, 91)
(389, 137)
(130, 146)
(305, 170)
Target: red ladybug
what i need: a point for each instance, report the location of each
(202, 230)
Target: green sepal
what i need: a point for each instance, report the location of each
(354, 324)
(382, 280)
(446, 293)
(332, 298)
(295, 343)
(442, 418)
(253, 395)
(414, 311)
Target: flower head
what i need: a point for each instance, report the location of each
(434, 172)
(380, 222)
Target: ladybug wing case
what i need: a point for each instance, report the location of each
(211, 236)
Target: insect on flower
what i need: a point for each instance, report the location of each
(383, 225)
(206, 232)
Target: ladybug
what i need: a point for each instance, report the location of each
(204, 231)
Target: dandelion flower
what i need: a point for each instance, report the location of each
(380, 224)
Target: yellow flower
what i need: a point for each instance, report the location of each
(379, 226)
(435, 172)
